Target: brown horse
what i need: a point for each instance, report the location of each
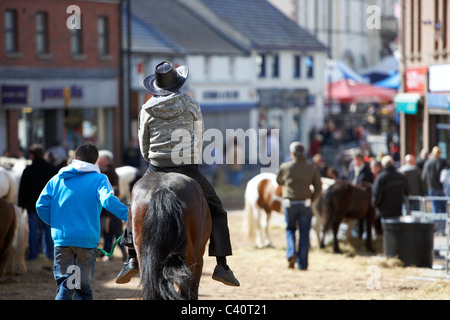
(345, 200)
(171, 225)
(7, 230)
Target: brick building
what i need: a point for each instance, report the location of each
(424, 103)
(59, 74)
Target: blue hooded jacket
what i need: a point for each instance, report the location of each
(72, 201)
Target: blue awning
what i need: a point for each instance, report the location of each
(438, 101)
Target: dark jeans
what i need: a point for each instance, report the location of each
(39, 234)
(298, 215)
(219, 242)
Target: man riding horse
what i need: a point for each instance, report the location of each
(168, 110)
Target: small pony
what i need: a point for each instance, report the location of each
(171, 225)
(345, 200)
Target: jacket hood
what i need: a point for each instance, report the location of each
(76, 168)
(167, 107)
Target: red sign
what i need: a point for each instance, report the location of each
(415, 80)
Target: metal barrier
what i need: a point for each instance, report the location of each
(424, 215)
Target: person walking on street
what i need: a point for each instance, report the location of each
(33, 180)
(71, 203)
(417, 186)
(389, 190)
(296, 177)
(360, 170)
(431, 175)
(110, 224)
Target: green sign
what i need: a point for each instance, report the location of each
(406, 107)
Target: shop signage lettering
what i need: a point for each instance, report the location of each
(14, 94)
(415, 79)
(214, 94)
(61, 93)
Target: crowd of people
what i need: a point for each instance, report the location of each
(428, 175)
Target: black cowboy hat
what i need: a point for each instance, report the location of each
(166, 79)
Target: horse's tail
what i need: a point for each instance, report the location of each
(163, 246)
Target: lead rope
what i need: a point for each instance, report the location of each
(112, 249)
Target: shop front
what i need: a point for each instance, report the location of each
(438, 99)
(411, 107)
(60, 112)
(286, 110)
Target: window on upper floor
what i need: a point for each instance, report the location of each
(309, 62)
(275, 66)
(76, 42)
(41, 33)
(103, 36)
(297, 66)
(11, 31)
(261, 65)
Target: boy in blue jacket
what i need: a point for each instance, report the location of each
(71, 204)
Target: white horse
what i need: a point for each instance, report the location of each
(9, 190)
(126, 175)
(262, 196)
(16, 264)
(11, 170)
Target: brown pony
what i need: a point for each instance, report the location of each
(345, 200)
(7, 230)
(171, 225)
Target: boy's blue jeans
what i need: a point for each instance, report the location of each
(298, 214)
(73, 270)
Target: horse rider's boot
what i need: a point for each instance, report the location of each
(129, 269)
(224, 274)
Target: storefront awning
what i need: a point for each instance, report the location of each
(439, 101)
(407, 102)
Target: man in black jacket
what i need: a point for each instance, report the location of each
(360, 170)
(34, 178)
(389, 190)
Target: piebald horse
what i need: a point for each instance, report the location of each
(171, 225)
(262, 196)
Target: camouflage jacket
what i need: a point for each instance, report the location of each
(171, 130)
